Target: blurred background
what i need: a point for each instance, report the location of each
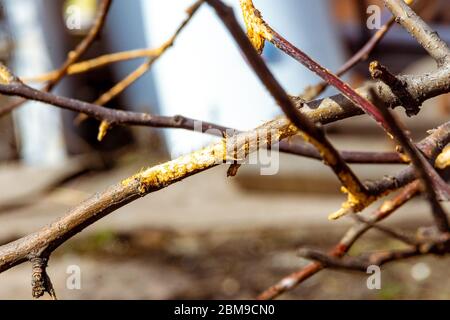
(208, 236)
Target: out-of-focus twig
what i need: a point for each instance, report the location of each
(83, 46)
(94, 63)
(72, 57)
(363, 262)
(380, 72)
(140, 71)
(351, 236)
(431, 180)
(426, 36)
(256, 25)
(357, 192)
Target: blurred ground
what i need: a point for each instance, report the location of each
(207, 236)
(162, 264)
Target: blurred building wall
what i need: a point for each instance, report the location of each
(124, 30)
(205, 77)
(39, 125)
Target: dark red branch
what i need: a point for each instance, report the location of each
(316, 135)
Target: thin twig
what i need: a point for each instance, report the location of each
(83, 46)
(72, 57)
(357, 191)
(158, 177)
(425, 171)
(351, 236)
(140, 71)
(255, 24)
(95, 63)
(386, 230)
(380, 72)
(311, 92)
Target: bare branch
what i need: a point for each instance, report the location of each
(256, 25)
(40, 281)
(95, 63)
(163, 175)
(380, 72)
(386, 230)
(119, 117)
(358, 263)
(140, 71)
(427, 37)
(311, 92)
(145, 182)
(303, 119)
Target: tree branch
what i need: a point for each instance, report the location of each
(359, 263)
(312, 134)
(158, 177)
(260, 30)
(386, 230)
(119, 117)
(72, 57)
(140, 71)
(390, 92)
(83, 46)
(311, 92)
(431, 180)
(149, 180)
(95, 63)
(351, 236)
